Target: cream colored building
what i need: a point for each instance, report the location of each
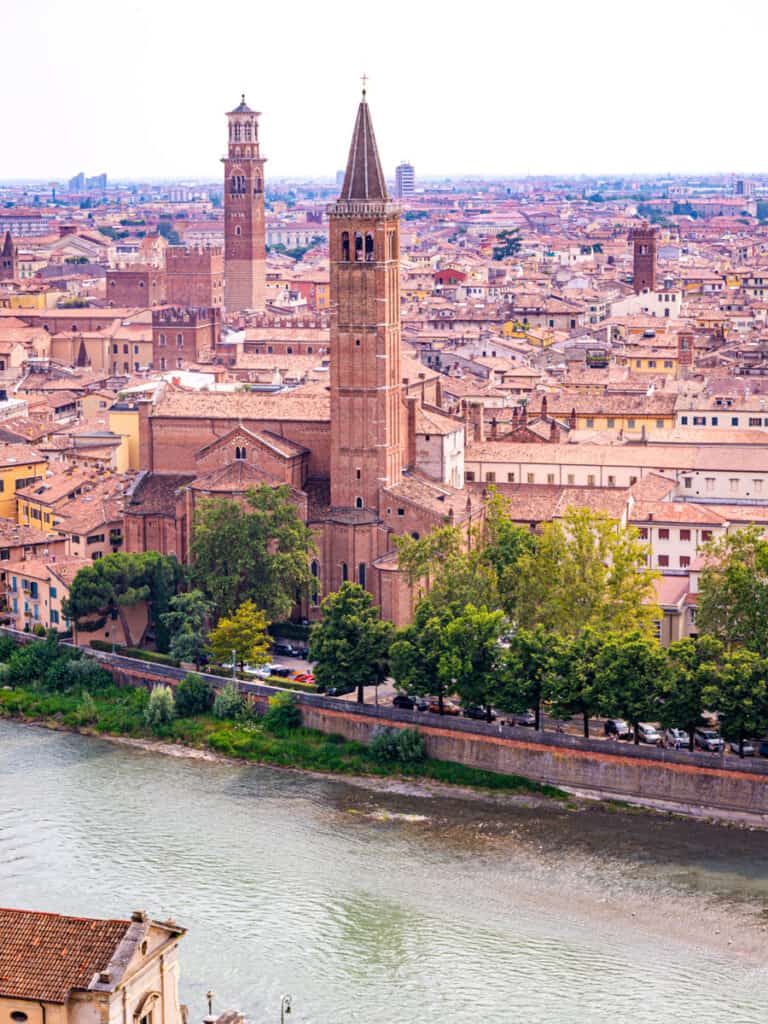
(56, 969)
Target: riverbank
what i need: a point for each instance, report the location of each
(119, 714)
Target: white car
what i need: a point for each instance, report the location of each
(648, 733)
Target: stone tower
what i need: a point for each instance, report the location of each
(244, 233)
(643, 258)
(8, 268)
(367, 430)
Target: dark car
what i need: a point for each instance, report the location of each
(763, 748)
(479, 713)
(409, 703)
(287, 650)
(340, 691)
(619, 728)
(281, 670)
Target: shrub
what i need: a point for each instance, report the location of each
(283, 714)
(134, 652)
(38, 629)
(194, 696)
(77, 673)
(228, 702)
(161, 708)
(87, 712)
(7, 647)
(404, 745)
(28, 665)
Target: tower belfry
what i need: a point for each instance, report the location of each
(244, 228)
(367, 428)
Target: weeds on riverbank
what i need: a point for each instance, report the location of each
(121, 711)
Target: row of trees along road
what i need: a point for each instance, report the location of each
(566, 619)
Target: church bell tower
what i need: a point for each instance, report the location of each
(244, 229)
(367, 442)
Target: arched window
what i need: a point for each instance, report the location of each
(240, 454)
(344, 572)
(257, 189)
(361, 574)
(345, 245)
(415, 535)
(237, 132)
(369, 248)
(358, 246)
(315, 568)
(237, 229)
(314, 591)
(162, 341)
(358, 502)
(247, 132)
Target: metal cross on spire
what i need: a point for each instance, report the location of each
(364, 80)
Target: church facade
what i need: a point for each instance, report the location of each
(349, 450)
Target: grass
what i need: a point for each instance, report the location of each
(120, 711)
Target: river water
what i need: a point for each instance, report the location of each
(384, 907)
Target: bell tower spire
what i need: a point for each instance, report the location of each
(367, 412)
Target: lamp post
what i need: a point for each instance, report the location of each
(210, 1019)
(285, 1008)
(234, 653)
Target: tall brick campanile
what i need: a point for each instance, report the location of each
(244, 232)
(367, 436)
(643, 258)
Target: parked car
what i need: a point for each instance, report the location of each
(619, 728)
(648, 733)
(449, 708)
(677, 738)
(409, 703)
(281, 670)
(481, 714)
(336, 691)
(286, 649)
(265, 671)
(762, 748)
(748, 748)
(708, 739)
(525, 718)
(304, 677)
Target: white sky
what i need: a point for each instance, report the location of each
(139, 88)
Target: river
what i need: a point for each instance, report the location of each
(388, 907)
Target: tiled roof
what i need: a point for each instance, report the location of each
(45, 956)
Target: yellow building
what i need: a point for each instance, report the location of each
(660, 362)
(124, 421)
(20, 466)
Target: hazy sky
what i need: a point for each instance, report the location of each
(139, 88)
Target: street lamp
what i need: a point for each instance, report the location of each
(285, 1008)
(234, 652)
(210, 1019)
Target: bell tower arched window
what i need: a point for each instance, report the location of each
(345, 246)
(361, 574)
(344, 572)
(358, 246)
(369, 248)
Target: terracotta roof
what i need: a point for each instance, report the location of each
(45, 956)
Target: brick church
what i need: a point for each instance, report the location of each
(358, 454)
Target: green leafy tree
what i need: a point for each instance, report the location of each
(632, 674)
(186, 622)
(528, 671)
(440, 567)
(350, 644)
(229, 701)
(243, 635)
(194, 696)
(120, 581)
(283, 715)
(741, 696)
(586, 570)
(505, 544)
(471, 655)
(161, 709)
(258, 551)
(695, 666)
(733, 591)
(509, 243)
(416, 653)
(30, 664)
(577, 683)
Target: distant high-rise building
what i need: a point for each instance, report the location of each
(97, 183)
(244, 234)
(643, 258)
(743, 187)
(77, 184)
(8, 268)
(404, 180)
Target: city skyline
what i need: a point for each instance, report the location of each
(584, 92)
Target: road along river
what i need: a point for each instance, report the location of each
(385, 904)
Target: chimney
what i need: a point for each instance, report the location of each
(572, 420)
(411, 440)
(524, 416)
(554, 432)
(494, 428)
(478, 419)
(544, 407)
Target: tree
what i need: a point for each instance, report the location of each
(505, 544)
(194, 696)
(528, 671)
(242, 635)
(350, 644)
(733, 590)
(471, 655)
(186, 623)
(695, 666)
(416, 652)
(229, 701)
(586, 570)
(258, 551)
(119, 581)
(741, 697)
(442, 568)
(509, 243)
(283, 714)
(161, 709)
(577, 683)
(632, 674)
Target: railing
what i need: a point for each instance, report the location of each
(386, 714)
